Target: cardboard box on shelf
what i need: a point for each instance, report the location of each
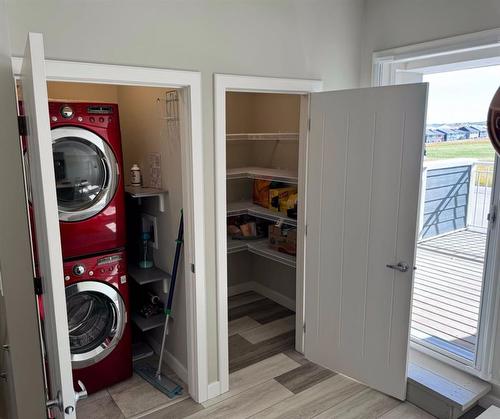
(284, 241)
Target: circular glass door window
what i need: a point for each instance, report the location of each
(80, 172)
(91, 321)
(86, 173)
(96, 321)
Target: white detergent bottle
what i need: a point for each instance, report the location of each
(135, 175)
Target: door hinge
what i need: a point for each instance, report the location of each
(309, 124)
(492, 215)
(22, 126)
(304, 327)
(305, 230)
(37, 282)
(3, 376)
(193, 270)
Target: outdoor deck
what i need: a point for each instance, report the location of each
(447, 291)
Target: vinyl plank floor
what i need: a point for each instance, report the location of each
(269, 330)
(255, 374)
(262, 311)
(407, 411)
(314, 400)
(296, 356)
(98, 406)
(304, 377)
(369, 404)
(247, 403)
(242, 324)
(178, 410)
(135, 396)
(242, 353)
(243, 298)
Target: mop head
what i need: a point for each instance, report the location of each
(162, 383)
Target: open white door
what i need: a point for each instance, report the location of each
(364, 162)
(55, 324)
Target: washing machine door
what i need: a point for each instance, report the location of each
(86, 173)
(96, 321)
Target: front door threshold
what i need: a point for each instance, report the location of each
(441, 389)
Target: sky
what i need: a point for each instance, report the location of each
(461, 96)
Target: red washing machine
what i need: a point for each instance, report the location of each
(88, 165)
(97, 301)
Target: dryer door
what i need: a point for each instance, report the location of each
(86, 173)
(96, 321)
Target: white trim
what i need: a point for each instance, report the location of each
(464, 51)
(240, 288)
(193, 196)
(222, 84)
(274, 295)
(213, 389)
(477, 46)
(264, 291)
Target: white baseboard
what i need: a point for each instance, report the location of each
(213, 390)
(240, 288)
(262, 290)
(170, 360)
(275, 296)
(489, 400)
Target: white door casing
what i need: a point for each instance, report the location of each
(365, 155)
(35, 102)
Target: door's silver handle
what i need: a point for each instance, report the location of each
(401, 267)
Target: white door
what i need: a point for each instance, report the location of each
(44, 200)
(364, 162)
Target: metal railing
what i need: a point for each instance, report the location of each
(455, 195)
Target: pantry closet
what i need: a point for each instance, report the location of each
(262, 149)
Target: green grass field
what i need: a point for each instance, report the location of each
(469, 149)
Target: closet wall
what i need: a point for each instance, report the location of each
(260, 113)
(144, 131)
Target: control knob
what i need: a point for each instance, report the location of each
(78, 270)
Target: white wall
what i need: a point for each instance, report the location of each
(287, 38)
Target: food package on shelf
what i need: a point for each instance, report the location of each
(278, 196)
(261, 192)
(283, 240)
(288, 205)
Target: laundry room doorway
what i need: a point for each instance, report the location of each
(160, 125)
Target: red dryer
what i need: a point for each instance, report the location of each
(88, 165)
(97, 301)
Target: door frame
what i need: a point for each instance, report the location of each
(472, 50)
(189, 85)
(240, 83)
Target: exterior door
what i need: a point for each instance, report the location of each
(364, 162)
(41, 167)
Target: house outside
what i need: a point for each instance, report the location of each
(433, 136)
(483, 131)
(470, 132)
(452, 134)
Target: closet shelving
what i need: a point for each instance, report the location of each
(143, 276)
(248, 207)
(278, 175)
(260, 247)
(274, 136)
(140, 192)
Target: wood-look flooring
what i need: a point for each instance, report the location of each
(268, 379)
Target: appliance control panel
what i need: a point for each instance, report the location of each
(100, 267)
(98, 115)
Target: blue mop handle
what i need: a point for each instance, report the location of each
(179, 241)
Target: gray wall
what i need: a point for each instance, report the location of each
(306, 39)
(393, 23)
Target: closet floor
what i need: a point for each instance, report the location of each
(258, 329)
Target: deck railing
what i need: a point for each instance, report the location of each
(456, 194)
